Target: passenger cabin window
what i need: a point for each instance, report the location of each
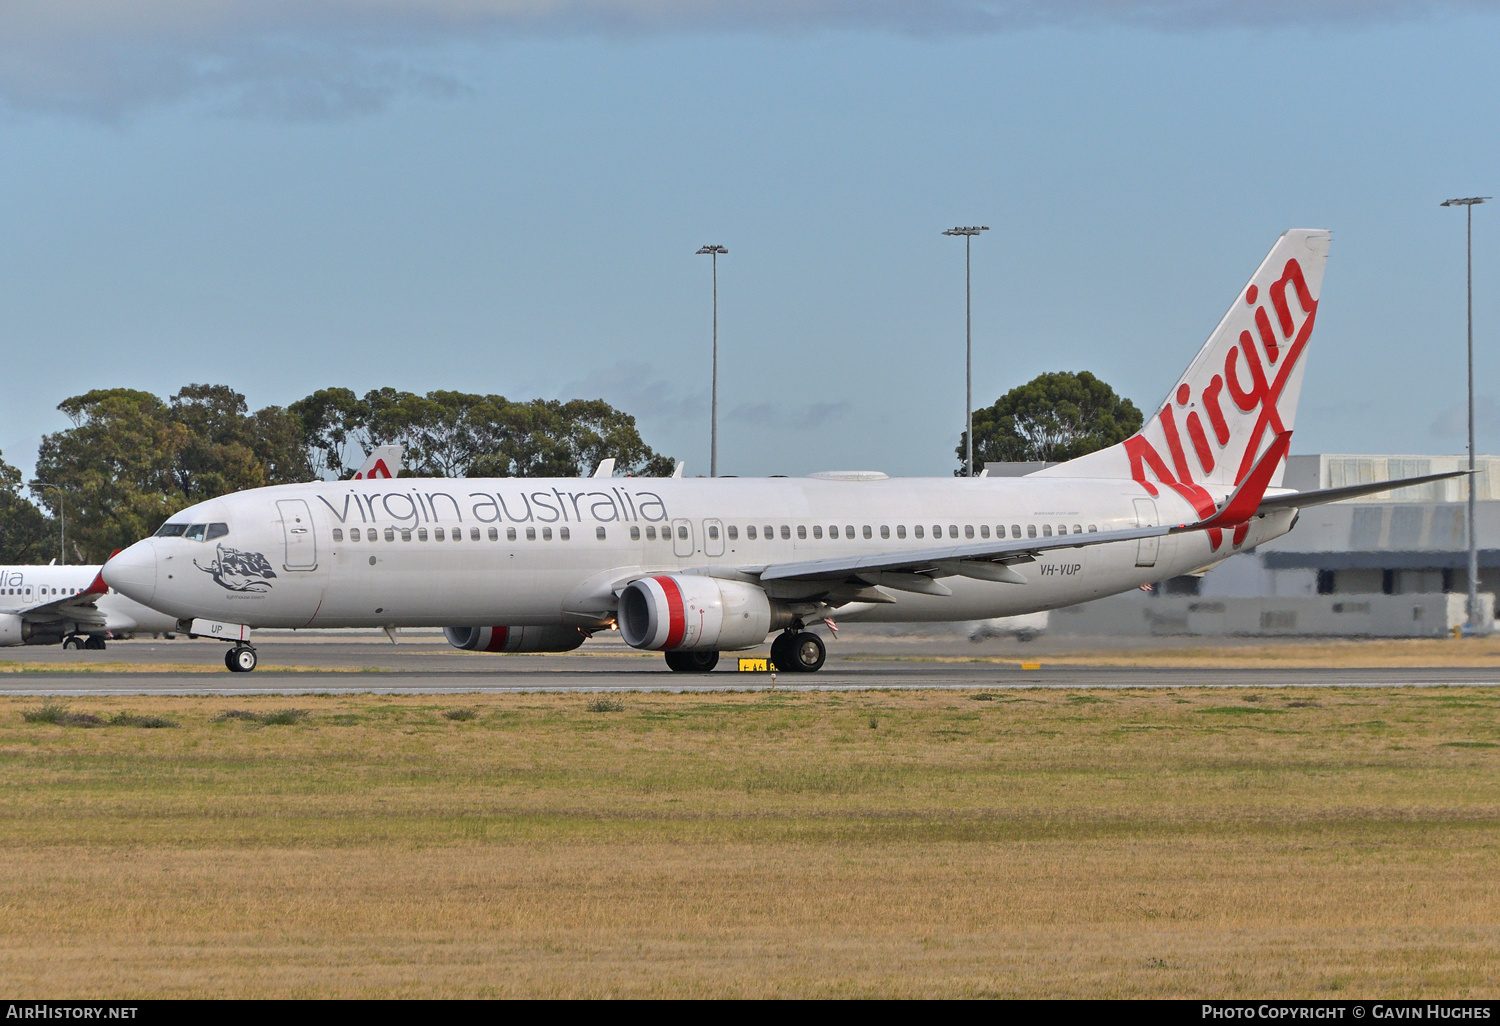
(438, 534)
(598, 533)
(338, 534)
(786, 533)
(354, 534)
(984, 530)
(562, 533)
(771, 532)
(749, 533)
(406, 534)
(900, 530)
(635, 534)
(885, 530)
(171, 530)
(531, 534)
(650, 533)
(968, 530)
(510, 533)
(682, 532)
(216, 531)
(817, 530)
(1031, 530)
(1077, 529)
(937, 530)
(848, 530)
(473, 534)
(867, 532)
(734, 532)
(495, 534)
(546, 534)
(918, 531)
(390, 534)
(952, 530)
(1093, 529)
(1015, 531)
(713, 531)
(421, 534)
(801, 531)
(1046, 530)
(1062, 529)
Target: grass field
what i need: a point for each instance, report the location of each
(1269, 843)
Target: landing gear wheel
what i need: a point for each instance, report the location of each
(806, 653)
(692, 662)
(72, 642)
(95, 642)
(781, 656)
(240, 659)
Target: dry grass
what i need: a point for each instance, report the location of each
(1349, 654)
(1277, 844)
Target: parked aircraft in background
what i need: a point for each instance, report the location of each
(693, 567)
(383, 461)
(71, 606)
(1023, 627)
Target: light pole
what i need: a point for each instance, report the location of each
(62, 517)
(713, 434)
(968, 234)
(1468, 204)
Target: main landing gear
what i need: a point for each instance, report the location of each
(93, 642)
(692, 662)
(798, 652)
(240, 659)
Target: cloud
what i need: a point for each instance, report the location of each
(635, 388)
(1454, 421)
(304, 59)
(801, 418)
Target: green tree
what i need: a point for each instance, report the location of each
(26, 535)
(334, 426)
(1053, 417)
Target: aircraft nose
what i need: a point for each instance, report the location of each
(133, 572)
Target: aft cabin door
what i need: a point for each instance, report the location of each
(1145, 516)
(682, 537)
(297, 527)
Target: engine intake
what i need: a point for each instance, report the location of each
(515, 639)
(687, 613)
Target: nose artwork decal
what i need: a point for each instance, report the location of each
(239, 571)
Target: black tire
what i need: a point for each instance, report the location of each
(73, 643)
(692, 662)
(95, 642)
(781, 656)
(806, 653)
(241, 659)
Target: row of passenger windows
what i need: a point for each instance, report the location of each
(43, 591)
(752, 532)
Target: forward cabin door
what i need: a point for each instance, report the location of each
(682, 537)
(297, 528)
(713, 538)
(1146, 548)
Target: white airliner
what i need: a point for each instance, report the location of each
(693, 567)
(71, 605)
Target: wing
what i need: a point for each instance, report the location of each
(914, 569)
(79, 608)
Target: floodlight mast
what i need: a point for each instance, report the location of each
(968, 234)
(1469, 203)
(713, 433)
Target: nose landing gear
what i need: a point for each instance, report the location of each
(798, 652)
(240, 659)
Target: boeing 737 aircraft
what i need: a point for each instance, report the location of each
(70, 605)
(698, 566)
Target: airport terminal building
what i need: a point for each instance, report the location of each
(1396, 566)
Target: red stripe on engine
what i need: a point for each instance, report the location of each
(498, 637)
(676, 621)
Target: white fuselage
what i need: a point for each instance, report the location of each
(524, 552)
(24, 588)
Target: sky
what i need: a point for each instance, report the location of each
(506, 196)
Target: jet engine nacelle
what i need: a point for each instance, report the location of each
(11, 630)
(515, 639)
(684, 613)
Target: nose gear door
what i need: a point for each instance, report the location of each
(297, 528)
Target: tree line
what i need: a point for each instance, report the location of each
(132, 459)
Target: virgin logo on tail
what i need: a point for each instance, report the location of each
(378, 470)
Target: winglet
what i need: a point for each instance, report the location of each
(1246, 498)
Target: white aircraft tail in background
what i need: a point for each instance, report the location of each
(384, 461)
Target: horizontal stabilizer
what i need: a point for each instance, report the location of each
(1316, 497)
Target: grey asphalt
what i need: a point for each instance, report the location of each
(423, 664)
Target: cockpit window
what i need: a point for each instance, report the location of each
(196, 532)
(216, 531)
(171, 530)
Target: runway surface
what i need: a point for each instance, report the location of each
(423, 664)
